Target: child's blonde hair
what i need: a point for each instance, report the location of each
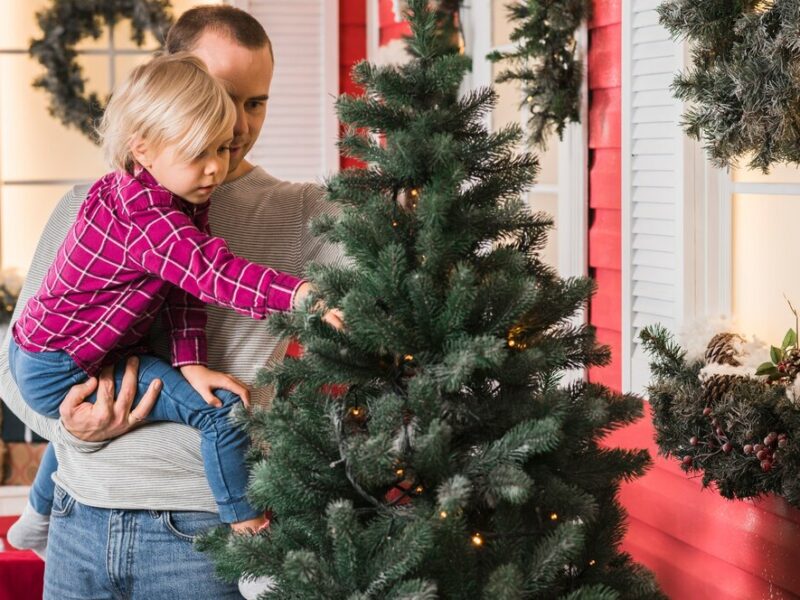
(170, 100)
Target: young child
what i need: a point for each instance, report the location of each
(141, 247)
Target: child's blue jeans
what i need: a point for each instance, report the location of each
(44, 378)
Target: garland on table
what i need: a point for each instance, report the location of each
(67, 22)
(742, 85)
(723, 418)
(547, 62)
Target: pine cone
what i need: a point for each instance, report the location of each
(791, 362)
(722, 349)
(716, 386)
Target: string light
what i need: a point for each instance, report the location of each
(419, 489)
(400, 472)
(408, 357)
(477, 539)
(443, 514)
(395, 223)
(553, 516)
(356, 412)
(592, 562)
(511, 338)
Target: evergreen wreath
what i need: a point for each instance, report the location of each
(64, 24)
(735, 425)
(546, 61)
(742, 85)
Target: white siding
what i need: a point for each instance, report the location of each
(653, 185)
(298, 141)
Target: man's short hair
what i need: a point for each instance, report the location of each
(227, 20)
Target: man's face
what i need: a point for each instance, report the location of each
(247, 75)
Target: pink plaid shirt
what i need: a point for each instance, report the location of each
(134, 248)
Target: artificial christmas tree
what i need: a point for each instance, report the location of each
(428, 451)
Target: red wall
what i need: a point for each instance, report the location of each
(352, 48)
(605, 245)
(699, 545)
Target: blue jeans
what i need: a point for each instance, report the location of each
(44, 378)
(105, 554)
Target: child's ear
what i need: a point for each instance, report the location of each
(140, 150)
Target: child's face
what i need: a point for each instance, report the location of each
(195, 179)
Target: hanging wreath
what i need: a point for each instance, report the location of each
(66, 23)
(726, 415)
(743, 84)
(547, 62)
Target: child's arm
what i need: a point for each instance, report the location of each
(184, 319)
(166, 243)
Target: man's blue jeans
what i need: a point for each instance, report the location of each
(44, 378)
(108, 554)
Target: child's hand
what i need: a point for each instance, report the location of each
(205, 381)
(333, 317)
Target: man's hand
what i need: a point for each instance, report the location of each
(108, 417)
(205, 381)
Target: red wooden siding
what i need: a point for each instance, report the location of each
(352, 48)
(605, 245)
(390, 28)
(701, 545)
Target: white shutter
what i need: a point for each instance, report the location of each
(653, 186)
(298, 142)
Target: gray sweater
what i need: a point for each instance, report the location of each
(158, 466)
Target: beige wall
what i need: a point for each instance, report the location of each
(766, 256)
(508, 111)
(35, 147)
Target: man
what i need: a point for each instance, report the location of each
(126, 511)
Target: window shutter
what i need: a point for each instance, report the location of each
(653, 181)
(298, 142)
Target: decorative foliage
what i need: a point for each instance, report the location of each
(742, 438)
(67, 22)
(742, 85)
(546, 62)
(453, 465)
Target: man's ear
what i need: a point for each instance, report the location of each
(140, 150)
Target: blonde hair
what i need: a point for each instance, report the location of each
(170, 100)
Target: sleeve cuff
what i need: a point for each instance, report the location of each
(189, 351)
(282, 292)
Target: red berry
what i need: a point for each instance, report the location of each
(782, 443)
(766, 465)
(727, 447)
(758, 448)
(719, 431)
(748, 448)
(687, 461)
(782, 436)
(762, 454)
(782, 367)
(707, 411)
(694, 440)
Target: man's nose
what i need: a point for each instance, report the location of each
(240, 126)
